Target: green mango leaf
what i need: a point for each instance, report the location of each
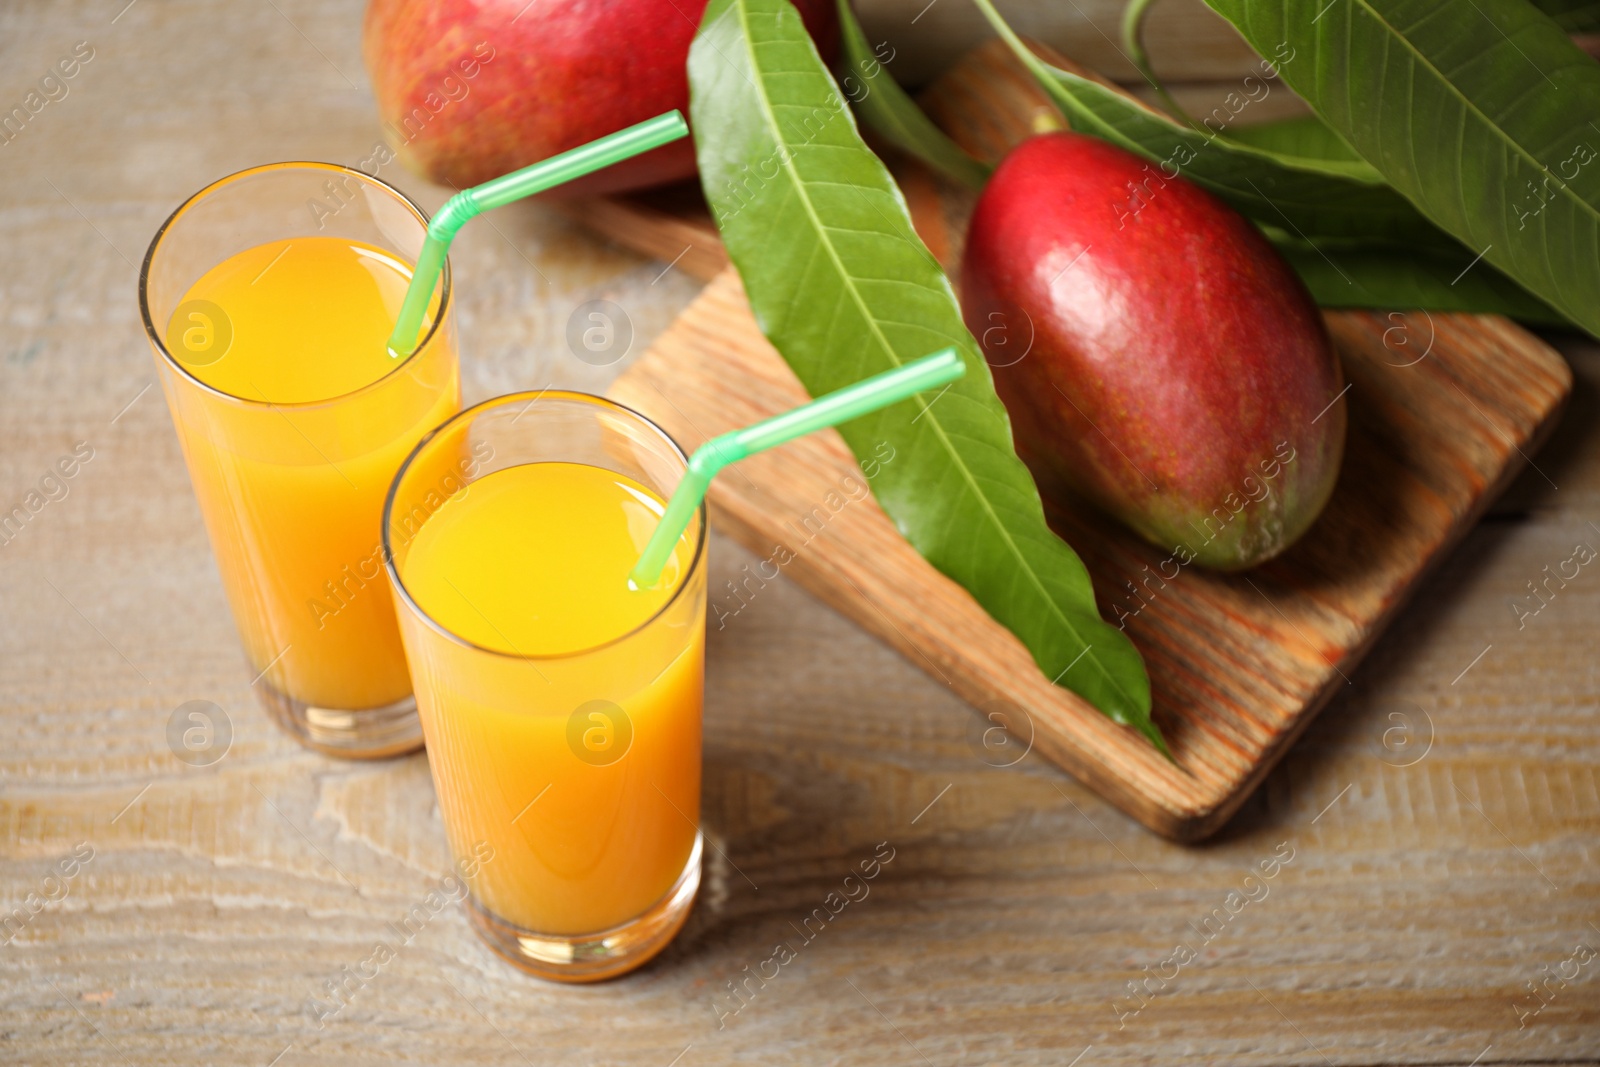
(888, 109)
(843, 287)
(1372, 275)
(1305, 136)
(1483, 114)
(1314, 197)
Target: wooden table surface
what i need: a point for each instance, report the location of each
(1432, 840)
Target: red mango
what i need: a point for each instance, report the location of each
(472, 89)
(1155, 353)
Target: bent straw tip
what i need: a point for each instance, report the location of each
(842, 405)
(537, 177)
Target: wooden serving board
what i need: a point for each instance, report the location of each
(1443, 411)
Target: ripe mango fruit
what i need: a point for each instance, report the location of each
(1155, 353)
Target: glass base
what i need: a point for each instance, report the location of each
(593, 957)
(370, 733)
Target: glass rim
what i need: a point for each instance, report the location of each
(177, 365)
(499, 401)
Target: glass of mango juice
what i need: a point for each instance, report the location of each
(268, 298)
(561, 704)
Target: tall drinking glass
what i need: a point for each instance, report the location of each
(267, 297)
(561, 705)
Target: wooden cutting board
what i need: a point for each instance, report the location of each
(1443, 411)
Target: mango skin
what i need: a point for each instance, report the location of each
(469, 90)
(1155, 354)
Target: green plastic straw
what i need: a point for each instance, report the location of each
(545, 174)
(842, 405)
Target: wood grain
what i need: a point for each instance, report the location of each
(1238, 664)
(1445, 824)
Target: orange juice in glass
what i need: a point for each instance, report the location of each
(269, 313)
(561, 705)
